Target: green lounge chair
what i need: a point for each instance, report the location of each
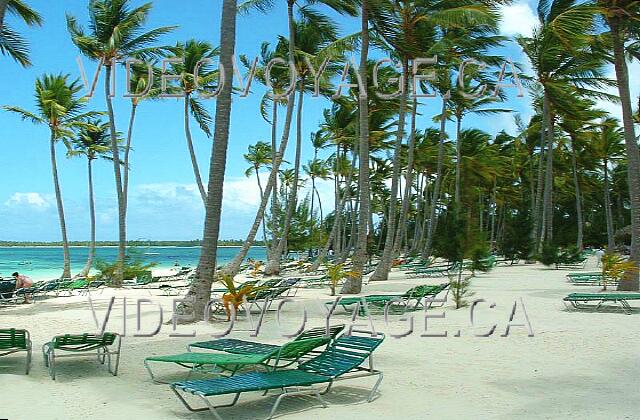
(417, 293)
(433, 271)
(341, 360)
(578, 300)
(282, 357)
(231, 345)
(7, 291)
(14, 341)
(103, 345)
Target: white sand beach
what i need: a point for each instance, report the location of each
(577, 364)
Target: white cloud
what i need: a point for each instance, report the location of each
(32, 200)
(170, 193)
(517, 19)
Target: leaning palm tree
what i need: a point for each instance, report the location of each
(116, 31)
(195, 55)
(11, 42)
(60, 108)
(92, 142)
(259, 155)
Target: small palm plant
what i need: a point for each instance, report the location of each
(234, 296)
(614, 268)
(336, 272)
(256, 267)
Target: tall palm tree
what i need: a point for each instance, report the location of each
(192, 53)
(11, 42)
(143, 86)
(92, 141)
(566, 65)
(354, 283)
(259, 155)
(199, 291)
(622, 18)
(316, 39)
(264, 6)
(606, 147)
(61, 109)
(116, 31)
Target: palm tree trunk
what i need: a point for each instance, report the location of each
(537, 199)
(273, 265)
(274, 151)
(436, 187)
(354, 284)
(336, 224)
(576, 185)
(611, 243)
(264, 224)
(200, 289)
(630, 281)
(547, 205)
(127, 150)
(311, 217)
(122, 205)
(66, 267)
(383, 267)
(192, 152)
(92, 215)
(319, 206)
(406, 200)
(458, 162)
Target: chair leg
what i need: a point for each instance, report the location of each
(28, 361)
(375, 387)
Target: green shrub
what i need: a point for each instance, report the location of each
(134, 266)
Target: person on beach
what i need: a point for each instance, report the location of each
(599, 254)
(22, 282)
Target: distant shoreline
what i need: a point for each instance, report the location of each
(4, 245)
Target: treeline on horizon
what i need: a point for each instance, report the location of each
(191, 243)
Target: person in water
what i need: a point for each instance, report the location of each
(22, 282)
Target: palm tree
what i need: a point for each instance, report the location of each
(60, 108)
(316, 39)
(622, 19)
(92, 142)
(566, 66)
(200, 289)
(354, 283)
(606, 146)
(116, 31)
(192, 53)
(263, 6)
(142, 88)
(259, 155)
(316, 169)
(11, 42)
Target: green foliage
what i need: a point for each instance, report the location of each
(460, 289)
(614, 267)
(481, 258)
(134, 266)
(516, 242)
(549, 255)
(336, 273)
(552, 254)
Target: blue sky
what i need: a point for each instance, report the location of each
(164, 202)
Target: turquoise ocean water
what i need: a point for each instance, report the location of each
(43, 263)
